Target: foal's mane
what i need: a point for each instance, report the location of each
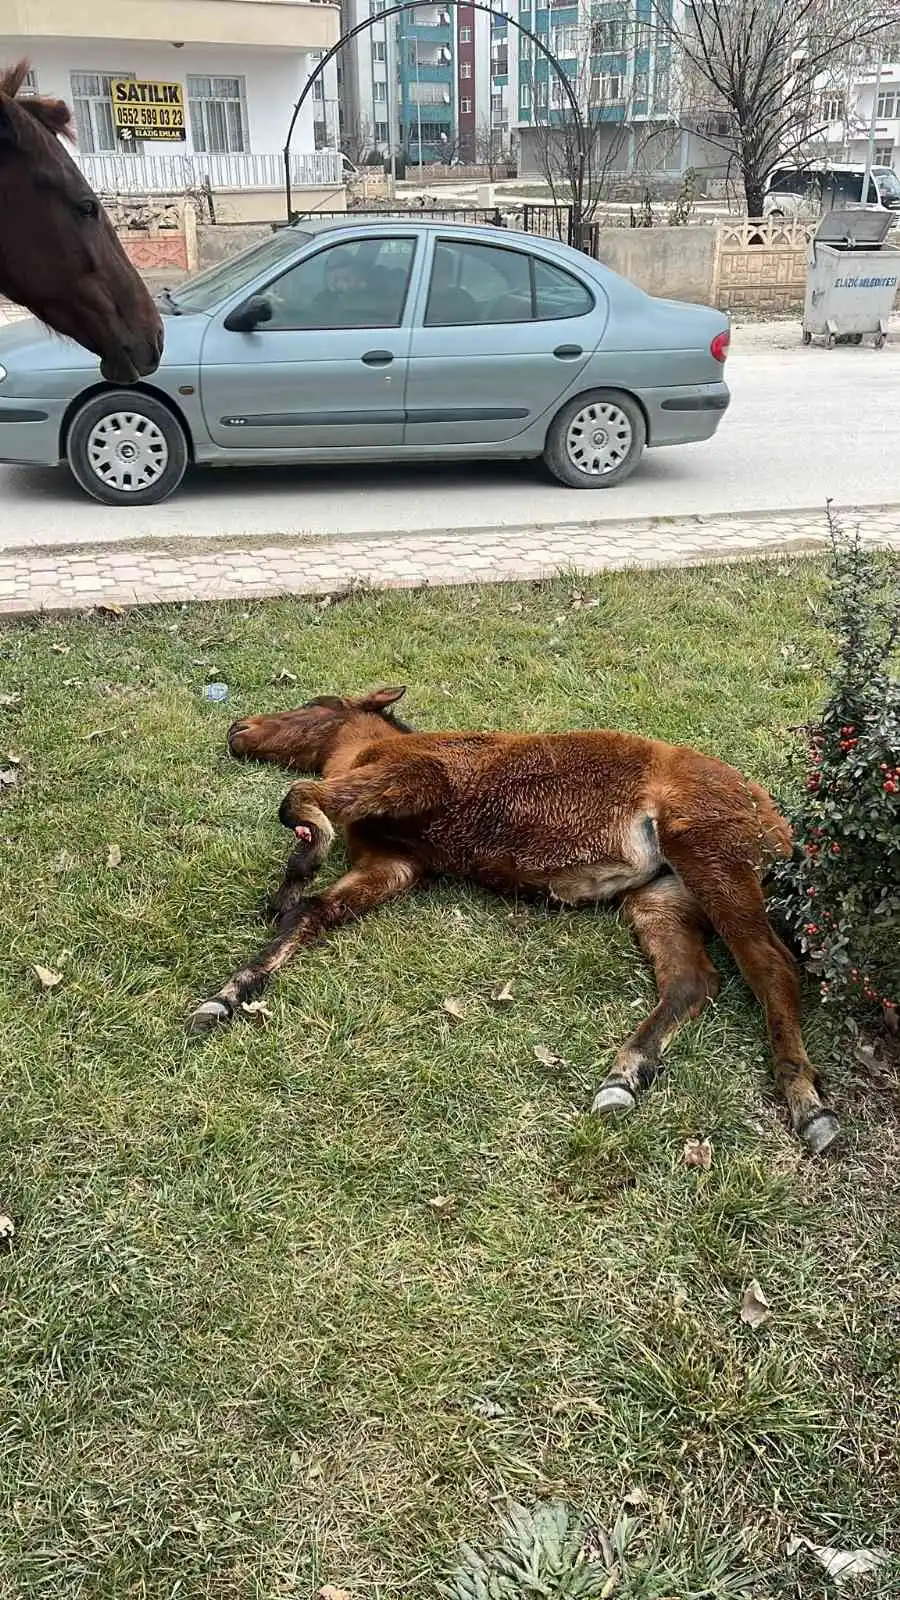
(54, 115)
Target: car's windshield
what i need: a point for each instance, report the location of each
(208, 289)
(889, 183)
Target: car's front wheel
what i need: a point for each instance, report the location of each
(596, 440)
(127, 449)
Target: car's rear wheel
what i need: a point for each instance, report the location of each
(596, 441)
(127, 449)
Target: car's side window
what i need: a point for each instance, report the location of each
(485, 284)
(558, 294)
(477, 283)
(359, 284)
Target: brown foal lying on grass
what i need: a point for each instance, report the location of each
(677, 840)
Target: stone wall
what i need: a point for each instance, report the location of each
(676, 263)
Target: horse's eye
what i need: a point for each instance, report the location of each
(88, 208)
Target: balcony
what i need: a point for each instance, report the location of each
(175, 174)
(273, 24)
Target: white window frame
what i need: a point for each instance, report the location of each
(465, 69)
(379, 50)
(525, 95)
(884, 154)
(86, 120)
(565, 39)
(465, 106)
(203, 132)
(379, 91)
(465, 35)
(381, 133)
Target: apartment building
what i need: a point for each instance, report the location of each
(848, 99)
(424, 83)
(173, 93)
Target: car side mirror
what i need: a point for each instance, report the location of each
(244, 318)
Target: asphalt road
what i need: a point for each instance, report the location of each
(805, 425)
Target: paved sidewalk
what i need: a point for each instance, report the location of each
(34, 580)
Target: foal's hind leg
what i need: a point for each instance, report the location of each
(372, 881)
(670, 927)
(729, 892)
(314, 836)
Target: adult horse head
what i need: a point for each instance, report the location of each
(59, 253)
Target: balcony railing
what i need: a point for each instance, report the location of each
(174, 174)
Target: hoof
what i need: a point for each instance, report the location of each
(820, 1132)
(612, 1099)
(210, 1015)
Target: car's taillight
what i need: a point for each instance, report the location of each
(719, 346)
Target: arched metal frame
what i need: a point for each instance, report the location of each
(416, 5)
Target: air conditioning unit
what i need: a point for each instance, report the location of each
(446, 97)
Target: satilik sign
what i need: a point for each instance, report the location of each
(147, 110)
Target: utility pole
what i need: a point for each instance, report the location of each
(391, 65)
(870, 146)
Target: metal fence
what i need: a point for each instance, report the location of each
(175, 174)
(546, 222)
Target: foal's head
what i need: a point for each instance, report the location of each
(305, 739)
(59, 253)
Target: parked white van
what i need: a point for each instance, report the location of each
(806, 191)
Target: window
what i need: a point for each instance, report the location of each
(496, 104)
(564, 41)
(641, 85)
(884, 155)
(319, 89)
(540, 92)
(465, 69)
(362, 284)
(607, 37)
(29, 83)
(92, 105)
(478, 283)
(378, 50)
(485, 284)
(500, 61)
(606, 89)
(886, 107)
(558, 294)
(379, 90)
(216, 112)
(381, 133)
(642, 36)
(525, 95)
(426, 94)
(465, 35)
(833, 108)
(661, 88)
(465, 107)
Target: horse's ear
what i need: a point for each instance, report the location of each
(380, 699)
(52, 114)
(8, 133)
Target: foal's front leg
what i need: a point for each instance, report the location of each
(375, 879)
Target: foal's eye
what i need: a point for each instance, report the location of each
(88, 208)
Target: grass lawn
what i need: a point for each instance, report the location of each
(243, 1355)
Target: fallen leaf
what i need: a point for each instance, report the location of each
(504, 996)
(842, 1565)
(72, 683)
(46, 977)
(256, 1008)
(755, 1308)
(331, 1593)
(7, 1227)
(8, 778)
(60, 649)
(483, 1407)
(698, 1153)
(110, 608)
(114, 856)
(454, 1008)
(443, 1204)
(14, 760)
(96, 734)
(63, 862)
(635, 1498)
(9, 702)
(285, 677)
(547, 1058)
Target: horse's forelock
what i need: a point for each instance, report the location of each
(51, 114)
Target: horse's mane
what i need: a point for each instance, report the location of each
(54, 115)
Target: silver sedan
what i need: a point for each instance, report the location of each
(387, 340)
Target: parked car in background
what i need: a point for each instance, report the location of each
(805, 192)
(389, 340)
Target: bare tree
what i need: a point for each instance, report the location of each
(488, 149)
(579, 151)
(756, 72)
(357, 138)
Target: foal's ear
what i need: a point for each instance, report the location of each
(380, 699)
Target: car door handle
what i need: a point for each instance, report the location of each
(567, 352)
(378, 358)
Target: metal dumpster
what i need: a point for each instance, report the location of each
(852, 276)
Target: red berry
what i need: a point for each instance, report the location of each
(835, 849)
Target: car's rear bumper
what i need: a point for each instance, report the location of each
(682, 415)
(29, 432)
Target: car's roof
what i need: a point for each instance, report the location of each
(389, 219)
